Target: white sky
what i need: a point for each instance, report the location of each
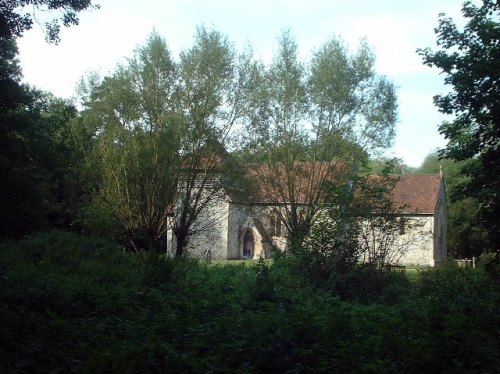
(394, 29)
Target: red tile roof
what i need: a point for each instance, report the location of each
(414, 193)
(418, 193)
(271, 184)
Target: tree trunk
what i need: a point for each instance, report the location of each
(182, 242)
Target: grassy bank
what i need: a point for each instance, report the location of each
(78, 304)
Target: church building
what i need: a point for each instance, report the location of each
(241, 225)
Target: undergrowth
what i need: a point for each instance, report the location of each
(79, 304)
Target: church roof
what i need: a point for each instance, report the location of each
(414, 193)
(417, 193)
(271, 184)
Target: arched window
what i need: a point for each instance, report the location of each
(248, 244)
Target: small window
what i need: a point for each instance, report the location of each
(402, 226)
(275, 223)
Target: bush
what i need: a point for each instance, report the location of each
(458, 306)
(367, 283)
(163, 271)
(490, 262)
(96, 218)
(72, 303)
(348, 281)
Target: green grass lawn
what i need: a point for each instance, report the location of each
(237, 262)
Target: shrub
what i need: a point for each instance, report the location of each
(162, 271)
(82, 304)
(458, 306)
(490, 262)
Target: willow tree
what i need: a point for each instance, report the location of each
(209, 101)
(279, 135)
(312, 123)
(136, 143)
(161, 127)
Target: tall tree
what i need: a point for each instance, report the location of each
(64, 160)
(136, 143)
(281, 145)
(470, 60)
(30, 165)
(210, 101)
(161, 127)
(320, 120)
(22, 148)
(37, 158)
(348, 99)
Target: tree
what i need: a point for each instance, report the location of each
(161, 128)
(23, 148)
(357, 237)
(466, 237)
(470, 59)
(384, 233)
(349, 99)
(211, 79)
(31, 168)
(63, 164)
(313, 124)
(281, 142)
(381, 164)
(136, 143)
(37, 157)
(13, 23)
(25, 145)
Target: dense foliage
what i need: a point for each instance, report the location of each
(470, 60)
(159, 129)
(313, 122)
(168, 133)
(39, 151)
(16, 16)
(38, 154)
(73, 303)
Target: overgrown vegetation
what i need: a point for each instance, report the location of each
(140, 158)
(467, 237)
(468, 58)
(78, 304)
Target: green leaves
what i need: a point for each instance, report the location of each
(207, 88)
(153, 79)
(13, 24)
(161, 132)
(470, 59)
(136, 142)
(36, 153)
(75, 303)
(312, 122)
(349, 98)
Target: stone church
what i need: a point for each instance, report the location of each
(240, 225)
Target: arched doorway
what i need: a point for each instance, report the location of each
(248, 244)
